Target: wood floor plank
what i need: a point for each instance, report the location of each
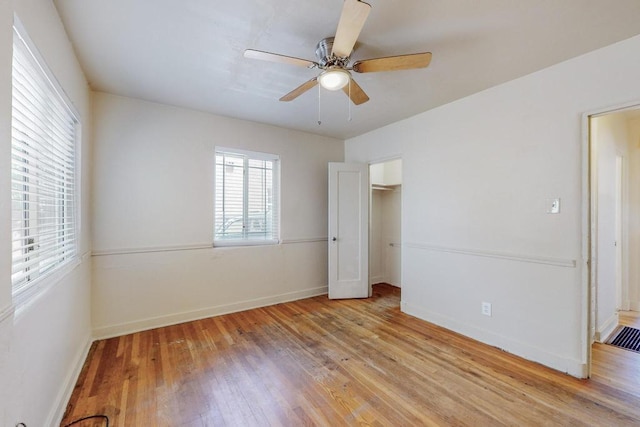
(320, 362)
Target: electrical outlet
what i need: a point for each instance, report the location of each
(486, 308)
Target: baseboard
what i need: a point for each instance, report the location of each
(572, 367)
(604, 332)
(634, 305)
(376, 279)
(175, 318)
(390, 282)
(55, 417)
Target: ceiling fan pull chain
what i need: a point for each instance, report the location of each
(319, 91)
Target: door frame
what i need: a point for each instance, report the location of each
(589, 231)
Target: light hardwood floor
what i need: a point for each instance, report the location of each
(629, 318)
(330, 363)
(615, 366)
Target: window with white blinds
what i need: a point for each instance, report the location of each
(246, 197)
(43, 167)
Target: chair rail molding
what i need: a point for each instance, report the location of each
(558, 262)
(196, 246)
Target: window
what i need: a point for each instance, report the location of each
(43, 165)
(246, 197)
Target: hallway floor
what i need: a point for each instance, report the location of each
(615, 366)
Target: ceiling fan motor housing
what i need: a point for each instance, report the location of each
(326, 58)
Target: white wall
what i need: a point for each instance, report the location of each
(631, 300)
(391, 235)
(153, 223)
(476, 176)
(385, 237)
(376, 222)
(42, 344)
(385, 250)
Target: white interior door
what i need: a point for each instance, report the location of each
(348, 230)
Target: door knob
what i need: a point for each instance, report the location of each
(334, 239)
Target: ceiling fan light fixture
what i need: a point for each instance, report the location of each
(334, 78)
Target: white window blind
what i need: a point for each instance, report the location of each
(43, 181)
(246, 197)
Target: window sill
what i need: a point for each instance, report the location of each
(29, 294)
(236, 243)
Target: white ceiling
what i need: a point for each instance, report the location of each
(189, 53)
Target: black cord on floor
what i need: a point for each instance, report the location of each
(88, 418)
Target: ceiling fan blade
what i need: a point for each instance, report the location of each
(274, 57)
(356, 93)
(393, 63)
(300, 90)
(354, 14)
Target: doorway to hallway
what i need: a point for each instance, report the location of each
(614, 177)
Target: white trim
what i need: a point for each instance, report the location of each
(626, 305)
(28, 295)
(305, 240)
(561, 363)
(258, 155)
(57, 412)
(634, 305)
(67, 152)
(275, 213)
(196, 246)
(620, 108)
(373, 280)
(187, 316)
(43, 64)
(244, 242)
(151, 249)
(385, 159)
(558, 262)
(7, 312)
(587, 274)
(78, 188)
(589, 212)
(603, 333)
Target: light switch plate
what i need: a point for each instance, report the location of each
(553, 206)
(486, 308)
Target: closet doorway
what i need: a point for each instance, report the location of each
(385, 233)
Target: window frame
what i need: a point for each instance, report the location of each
(275, 196)
(67, 215)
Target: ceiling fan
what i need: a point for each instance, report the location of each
(334, 55)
